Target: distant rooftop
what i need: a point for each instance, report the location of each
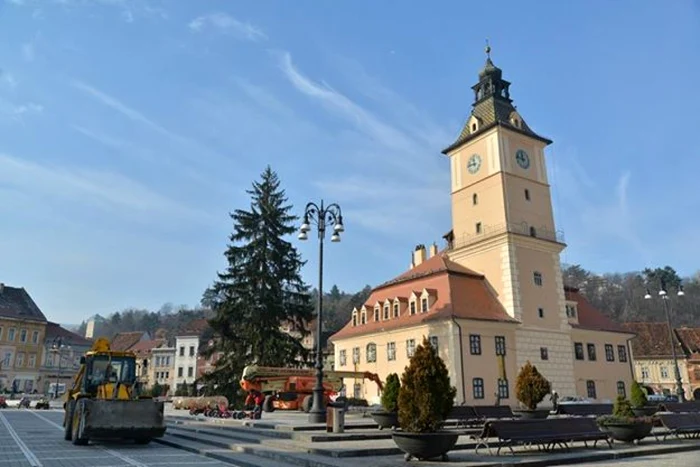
(16, 303)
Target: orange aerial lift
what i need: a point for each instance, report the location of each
(292, 388)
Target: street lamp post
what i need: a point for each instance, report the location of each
(320, 215)
(57, 348)
(665, 298)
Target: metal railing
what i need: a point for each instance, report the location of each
(523, 228)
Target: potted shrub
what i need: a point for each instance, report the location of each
(622, 425)
(530, 389)
(425, 401)
(638, 400)
(389, 416)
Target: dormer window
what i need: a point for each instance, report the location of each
(412, 307)
(386, 311)
(396, 310)
(424, 305)
(473, 127)
(571, 311)
(354, 318)
(363, 317)
(376, 314)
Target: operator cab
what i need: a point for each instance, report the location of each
(106, 369)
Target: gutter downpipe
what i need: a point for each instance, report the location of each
(461, 360)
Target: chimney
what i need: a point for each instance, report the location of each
(433, 250)
(90, 329)
(419, 255)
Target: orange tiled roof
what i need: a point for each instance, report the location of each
(589, 317)
(652, 340)
(126, 340)
(144, 347)
(455, 290)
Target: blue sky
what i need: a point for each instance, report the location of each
(129, 129)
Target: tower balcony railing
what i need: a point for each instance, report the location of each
(522, 228)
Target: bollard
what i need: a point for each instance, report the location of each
(338, 419)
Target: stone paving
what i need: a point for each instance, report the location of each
(30, 438)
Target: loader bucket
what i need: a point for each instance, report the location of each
(124, 419)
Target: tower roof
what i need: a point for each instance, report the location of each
(492, 107)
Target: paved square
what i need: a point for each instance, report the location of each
(35, 438)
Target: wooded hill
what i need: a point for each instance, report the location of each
(618, 295)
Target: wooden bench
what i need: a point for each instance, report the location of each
(680, 407)
(686, 425)
(464, 414)
(484, 412)
(545, 434)
(585, 410)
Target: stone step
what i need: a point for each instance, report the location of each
(233, 457)
(233, 428)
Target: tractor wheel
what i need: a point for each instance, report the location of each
(142, 440)
(78, 421)
(306, 405)
(68, 421)
(267, 404)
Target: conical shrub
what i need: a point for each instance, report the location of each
(531, 387)
(390, 395)
(426, 396)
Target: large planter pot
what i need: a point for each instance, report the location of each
(386, 419)
(627, 432)
(646, 411)
(526, 414)
(425, 446)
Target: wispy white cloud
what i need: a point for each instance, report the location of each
(397, 159)
(107, 190)
(227, 24)
(101, 137)
(18, 112)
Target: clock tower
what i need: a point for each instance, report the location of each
(503, 225)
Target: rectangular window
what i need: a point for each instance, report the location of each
(413, 307)
(527, 194)
(23, 335)
(342, 357)
(182, 351)
(376, 314)
(391, 351)
(591, 352)
(500, 345)
(357, 391)
(570, 311)
(179, 372)
(424, 305)
(35, 337)
(410, 347)
(663, 370)
(371, 352)
(8, 358)
(609, 353)
(354, 319)
(621, 389)
(19, 360)
(364, 317)
(190, 371)
(32, 361)
(622, 353)
(540, 312)
(11, 335)
(396, 310)
(191, 350)
(478, 388)
(434, 342)
(537, 278)
(386, 312)
(356, 355)
(590, 388)
(478, 227)
(503, 389)
(544, 355)
(475, 344)
(578, 351)
(645, 373)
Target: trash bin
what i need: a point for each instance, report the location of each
(335, 418)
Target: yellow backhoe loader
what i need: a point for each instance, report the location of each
(104, 400)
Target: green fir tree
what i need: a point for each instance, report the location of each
(260, 291)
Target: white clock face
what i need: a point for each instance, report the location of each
(522, 158)
(474, 164)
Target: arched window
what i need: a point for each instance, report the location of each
(371, 352)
